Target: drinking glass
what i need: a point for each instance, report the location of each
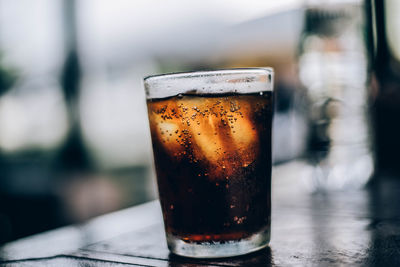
(211, 136)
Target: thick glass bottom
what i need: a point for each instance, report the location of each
(218, 249)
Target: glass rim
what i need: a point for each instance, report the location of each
(220, 81)
(205, 73)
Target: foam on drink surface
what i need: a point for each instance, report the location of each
(243, 81)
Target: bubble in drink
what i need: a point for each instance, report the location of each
(213, 161)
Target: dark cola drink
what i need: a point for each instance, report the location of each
(212, 153)
(213, 162)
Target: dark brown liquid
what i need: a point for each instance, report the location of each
(213, 162)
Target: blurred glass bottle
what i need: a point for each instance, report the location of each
(333, 69)
(384, 51)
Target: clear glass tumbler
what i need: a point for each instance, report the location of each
(211, 135)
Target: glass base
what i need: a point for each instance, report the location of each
(218, 249)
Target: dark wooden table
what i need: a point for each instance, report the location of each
(348, 228)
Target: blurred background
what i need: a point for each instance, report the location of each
(74, 136)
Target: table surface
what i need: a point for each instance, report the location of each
(353, 227)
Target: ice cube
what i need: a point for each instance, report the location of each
(168, 132)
